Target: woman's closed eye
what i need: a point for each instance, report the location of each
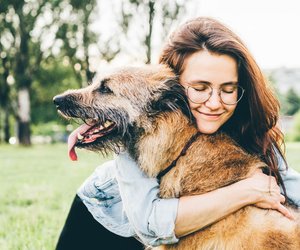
(201, 88)
(230, 89)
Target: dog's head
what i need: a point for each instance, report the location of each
(121, 106)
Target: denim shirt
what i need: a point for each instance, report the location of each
(147, 217)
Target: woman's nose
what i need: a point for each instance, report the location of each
(214, 102)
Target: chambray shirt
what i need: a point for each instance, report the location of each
(147, 217)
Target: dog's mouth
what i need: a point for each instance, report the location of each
(87, 134)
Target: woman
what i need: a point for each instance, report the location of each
(207, 56)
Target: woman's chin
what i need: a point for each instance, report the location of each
(205, 128)
(208, 131)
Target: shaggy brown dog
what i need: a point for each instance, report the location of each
(145, 111)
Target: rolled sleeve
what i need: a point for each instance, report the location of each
(291, 180)
(153, 218)
(161, 221)
(100, 194)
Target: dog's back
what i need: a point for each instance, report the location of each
(215, 161)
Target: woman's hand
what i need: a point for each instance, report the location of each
(267, 192)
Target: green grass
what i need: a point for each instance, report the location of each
(293, 155)
(37, 186)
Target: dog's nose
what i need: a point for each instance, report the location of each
(58, 100)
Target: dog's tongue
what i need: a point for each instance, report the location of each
(73, 139)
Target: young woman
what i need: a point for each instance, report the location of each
(120, 201)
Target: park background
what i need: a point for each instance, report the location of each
(49, 46)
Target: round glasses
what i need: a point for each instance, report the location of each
(230, 94)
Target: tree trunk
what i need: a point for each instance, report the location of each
(149, 35)
(24, 117)
(0, 128)
(6, 125)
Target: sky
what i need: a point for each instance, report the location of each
(270, 28)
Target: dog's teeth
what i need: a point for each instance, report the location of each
(101, 127)
(96, 130)
(107, 124)
(79, 136)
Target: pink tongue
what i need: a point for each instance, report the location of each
(73, 139)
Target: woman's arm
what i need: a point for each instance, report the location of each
(157, 221)
(196, 212)
(153, 219)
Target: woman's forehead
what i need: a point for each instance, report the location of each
(204, 66)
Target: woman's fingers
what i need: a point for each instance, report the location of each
(282, 209)
(270, 196)
(282, 199)
(276, 200)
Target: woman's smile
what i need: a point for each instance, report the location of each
(211, 115)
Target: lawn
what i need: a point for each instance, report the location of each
(293, 155)
(37, 187)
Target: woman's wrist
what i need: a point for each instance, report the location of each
(250, 194)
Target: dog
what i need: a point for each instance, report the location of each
(145, 111)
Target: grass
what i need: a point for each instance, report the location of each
(37, 186)
(293, 155)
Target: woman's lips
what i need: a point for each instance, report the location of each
(211, 116)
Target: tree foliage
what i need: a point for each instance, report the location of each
(47, 46)
(55, 75)
(20, 49)
(78, 41)
(31, 32)
(294, 133)
(153, 20)
(292, 102)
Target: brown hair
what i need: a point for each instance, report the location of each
(253, 124)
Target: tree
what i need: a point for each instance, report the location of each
(5, 93)
(155, 17)
(78, 39)
(294, 134)
(18, 41)
(32, 31)
(54, 76)
(293, 102)
(28, 35)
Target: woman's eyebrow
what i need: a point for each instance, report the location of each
(229, 83)
(209, 83)
(195, 82)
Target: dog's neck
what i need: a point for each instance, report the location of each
(160, 145)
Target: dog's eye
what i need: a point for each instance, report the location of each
(103, 87)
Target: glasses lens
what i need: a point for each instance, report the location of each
(229, 94)
(199, 94)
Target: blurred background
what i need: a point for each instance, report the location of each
(49, 46)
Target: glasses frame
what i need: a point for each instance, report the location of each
(219, 93)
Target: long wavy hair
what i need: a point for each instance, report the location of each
(253, 124)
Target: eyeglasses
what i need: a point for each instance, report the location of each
(229, 94)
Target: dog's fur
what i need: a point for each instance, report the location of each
(153, 123)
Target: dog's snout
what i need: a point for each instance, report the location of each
(58, 100)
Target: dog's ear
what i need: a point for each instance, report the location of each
(172, 98)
